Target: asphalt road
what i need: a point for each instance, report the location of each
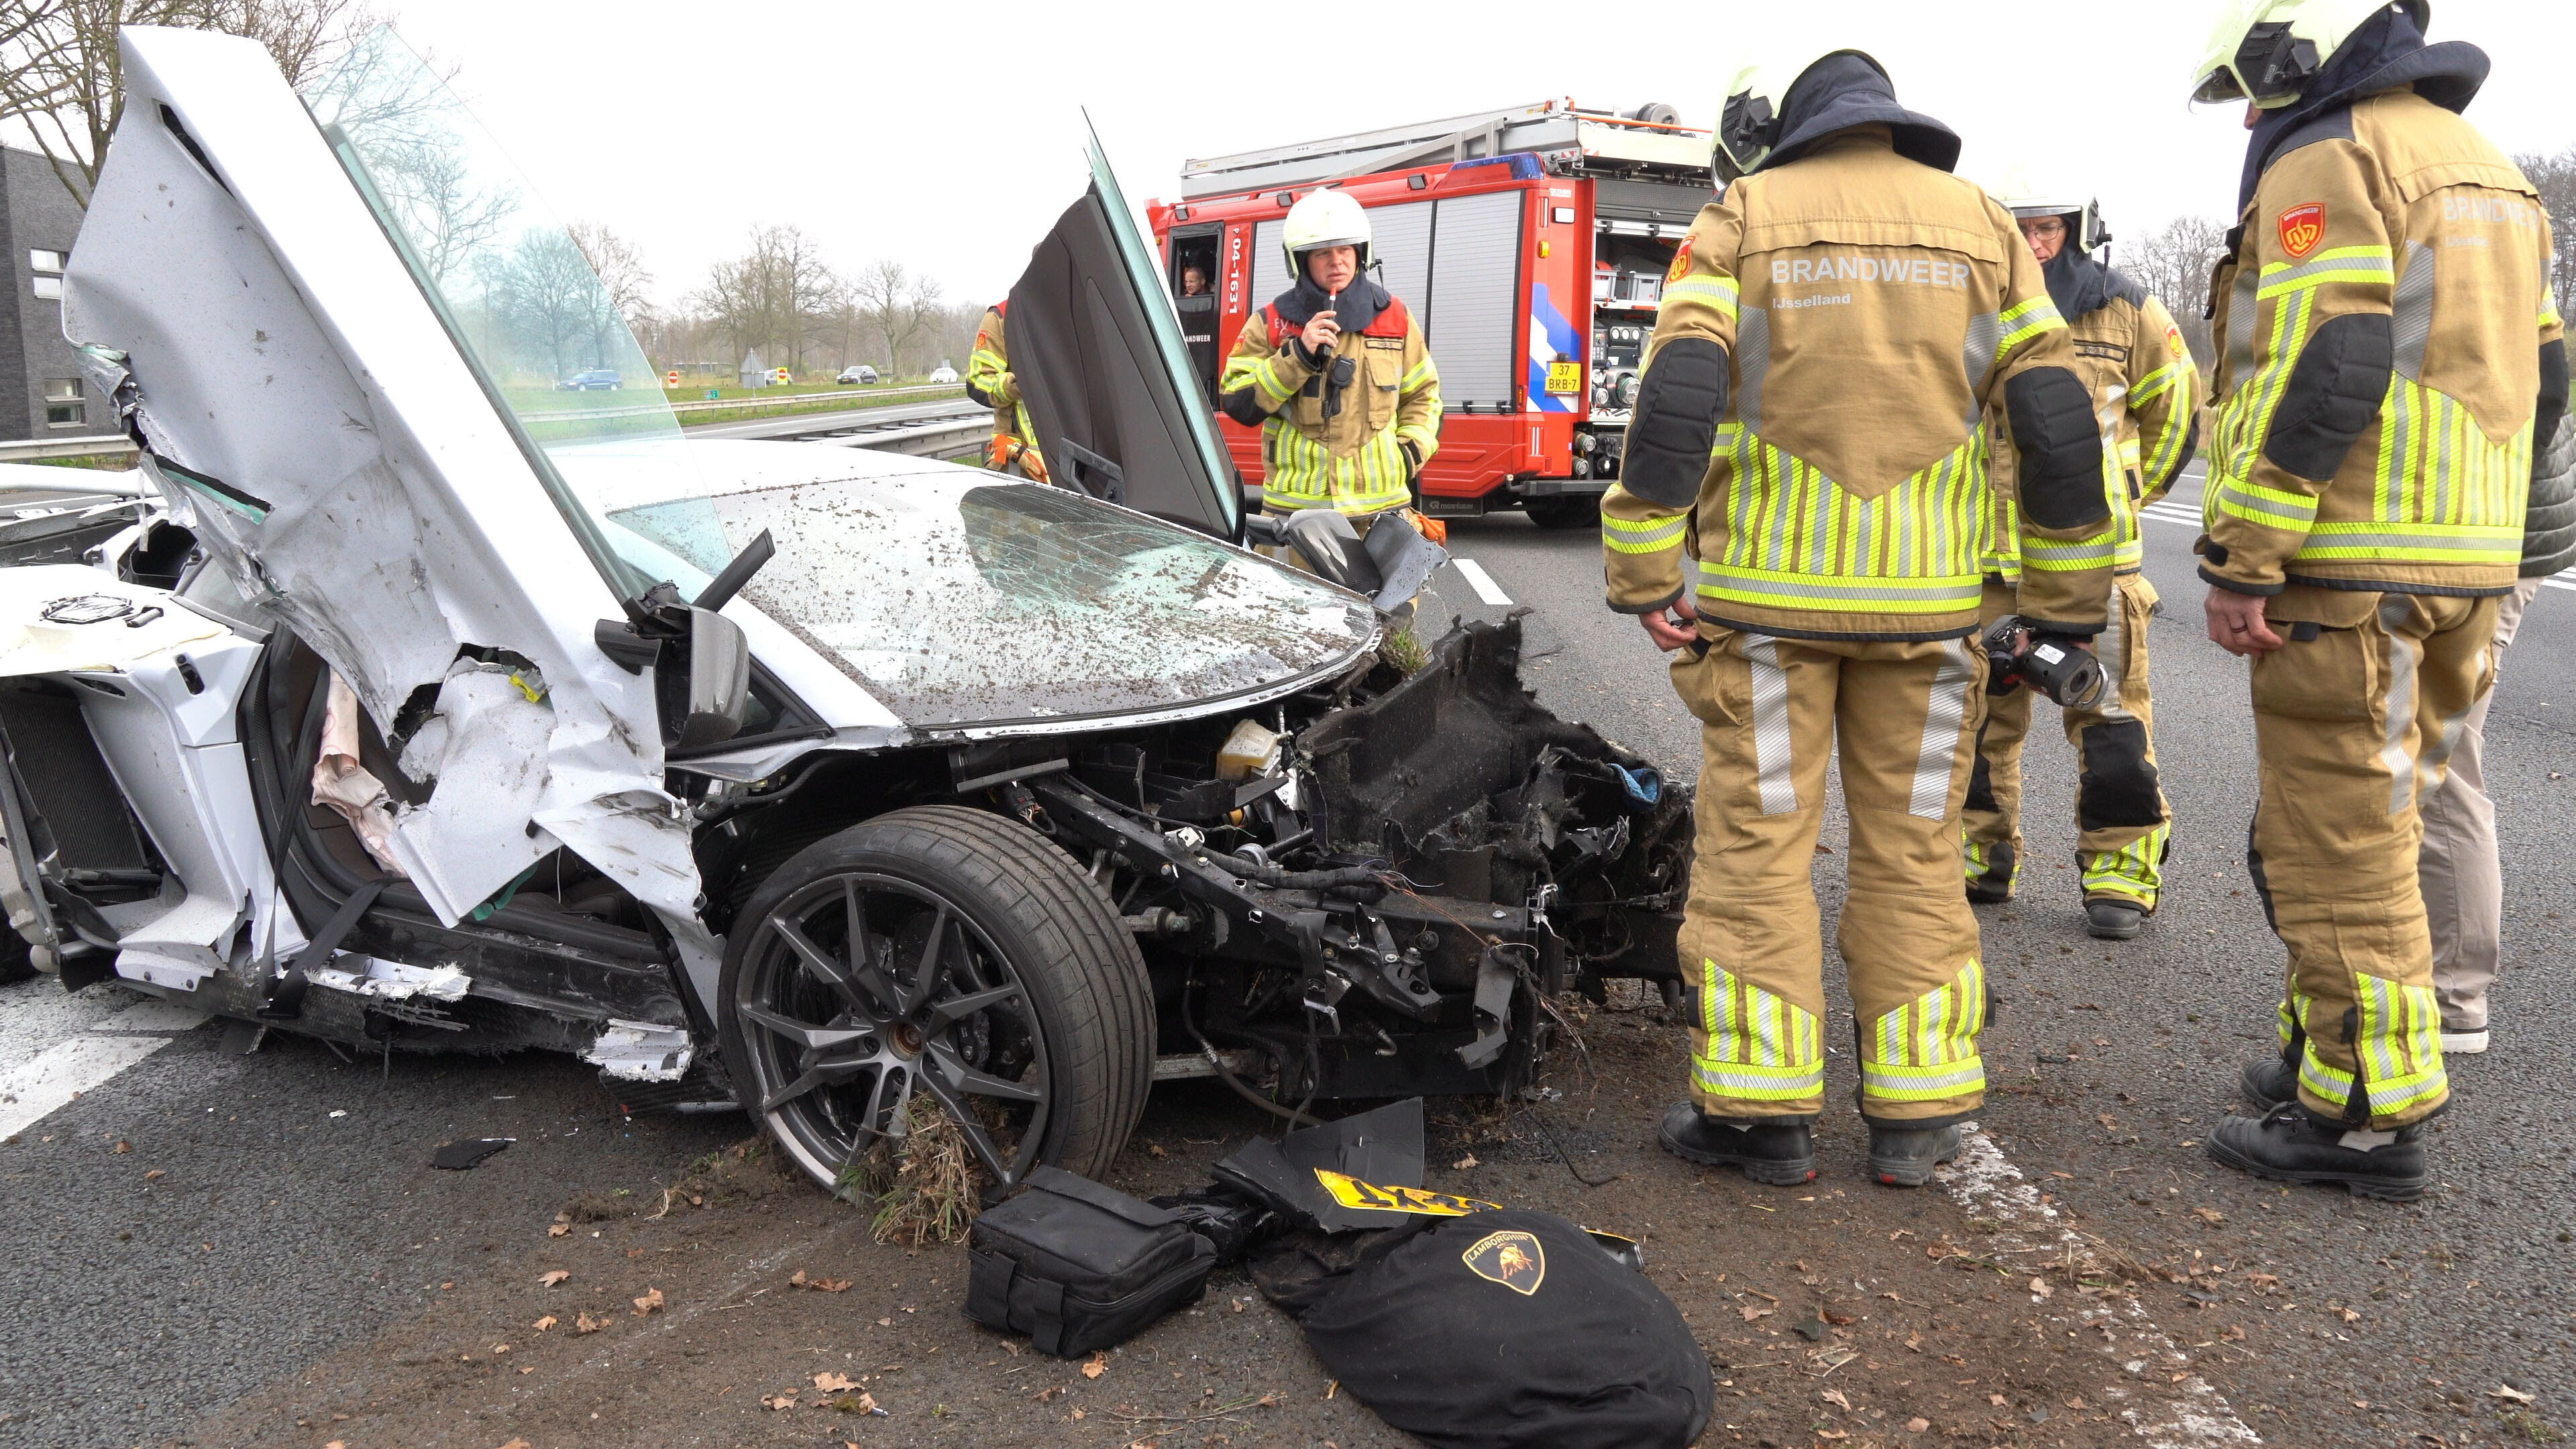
(205, 1227)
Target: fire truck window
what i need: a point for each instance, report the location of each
(1194, 268)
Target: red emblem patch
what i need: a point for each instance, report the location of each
(2302, 227)
(1681, 260)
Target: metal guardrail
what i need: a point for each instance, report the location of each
(35, 450)
(855, 390)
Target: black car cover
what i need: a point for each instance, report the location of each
(1496, 1330)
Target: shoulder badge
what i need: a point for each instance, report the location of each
(2174, 343)
(1681, 259)
(2302, 227)
(1513, 1259)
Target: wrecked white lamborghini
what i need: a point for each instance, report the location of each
(443, 709)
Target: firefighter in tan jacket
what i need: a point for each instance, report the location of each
(2389, 354)
(989, 383)
(2133, 361)
(1810, 430)
(1336, 375)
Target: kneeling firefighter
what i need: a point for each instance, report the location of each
(1811, 428)
(989, 383)
(1336, 375)
(2134, 362)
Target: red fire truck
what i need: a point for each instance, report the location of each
(1531, 243)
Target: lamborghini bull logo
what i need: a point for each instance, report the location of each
(1513, 1259)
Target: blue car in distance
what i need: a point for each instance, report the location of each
(598, 379)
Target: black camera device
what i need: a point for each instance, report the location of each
(2020, 653)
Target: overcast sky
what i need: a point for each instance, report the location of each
(948, 136)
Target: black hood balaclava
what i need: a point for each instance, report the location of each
(2081, 283)
(2388, 51)
(1357, 307)
(1846, 90)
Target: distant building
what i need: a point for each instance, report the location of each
(42, 392)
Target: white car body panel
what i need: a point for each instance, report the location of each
(287, 353)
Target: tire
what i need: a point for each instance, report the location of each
(1063, 1043)
(1582, 512)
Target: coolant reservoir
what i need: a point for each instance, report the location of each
(1250, 750)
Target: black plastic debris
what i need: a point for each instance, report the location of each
(1232, 1220)
(1381, 1148)
(469, 1154)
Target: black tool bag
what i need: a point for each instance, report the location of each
(1078, 1266)
(1496, 1330)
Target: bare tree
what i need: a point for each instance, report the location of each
(2554, 177)
(544, 291)
(900, 307)
(62, 83)
(777, 297)
(2175, 264)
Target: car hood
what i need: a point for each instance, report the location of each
(958, 600)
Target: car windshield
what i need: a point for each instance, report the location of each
(1078, 609)
(512, 284)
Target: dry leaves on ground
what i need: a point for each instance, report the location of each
(1463, 1163)
(2510, 1394)
(651, 1302)
(1917, 1424)
(155, 1175)
(1098, 1365)
(553, 1276)
(557, 1230)
(832, 1383)
(587, 1324)
(779, 1401)
(546, 1322)
(1835, 1396)
(819, 1284)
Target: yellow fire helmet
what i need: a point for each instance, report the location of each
(2267, 51)
(1326, 218)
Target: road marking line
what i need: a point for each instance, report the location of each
(2184, 1412)
(1483, 583)
(35, 1090)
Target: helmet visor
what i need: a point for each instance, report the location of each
(2218, 87)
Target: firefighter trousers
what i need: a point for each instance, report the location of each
(2355, 717)
(2123, 827)
(1904, 718)
(2459, 869)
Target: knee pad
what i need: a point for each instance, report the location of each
(2118, 785)
(1675, 423)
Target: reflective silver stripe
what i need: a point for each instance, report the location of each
(2240, 324)
(1773, 761)
(2432, 763)
(1752, 362)
(1945, 717)
(1962, 590)
(2393, 610)
(1887, 1079)
(2109, 647)
(1985, 335)
(2412, 324)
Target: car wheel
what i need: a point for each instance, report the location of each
(1583, 512)
(945, 951)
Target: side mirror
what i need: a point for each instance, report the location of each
(714, 691)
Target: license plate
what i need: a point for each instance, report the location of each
(1565, 377)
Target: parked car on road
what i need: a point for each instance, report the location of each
(477, 722)
(597, 379)
(943, 373)
(862, 374)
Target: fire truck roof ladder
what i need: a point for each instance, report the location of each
(1647, 144)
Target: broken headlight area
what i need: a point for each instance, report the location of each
(1378, 905)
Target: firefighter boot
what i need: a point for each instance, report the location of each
(1783, 1155)
(2289, 1144)
(1905, 1156)
(2270, 1082)
(2111, 919)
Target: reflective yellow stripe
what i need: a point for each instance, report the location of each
(1755, 1046)
(1654, 535)
(1945, 595)
(2270, 507)
(2026, 321)
(1788, 537)
(2133, 870)
(2152, 386)
(1298, 472)
(1422, 372)
(1719, 293)
(1926, 1049)
(2399, 1050)
(2421, 542)
(2051, 555)
(2342, 264)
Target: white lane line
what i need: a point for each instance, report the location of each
(1486, 589)
(2164, 1402)
(34, 1090)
